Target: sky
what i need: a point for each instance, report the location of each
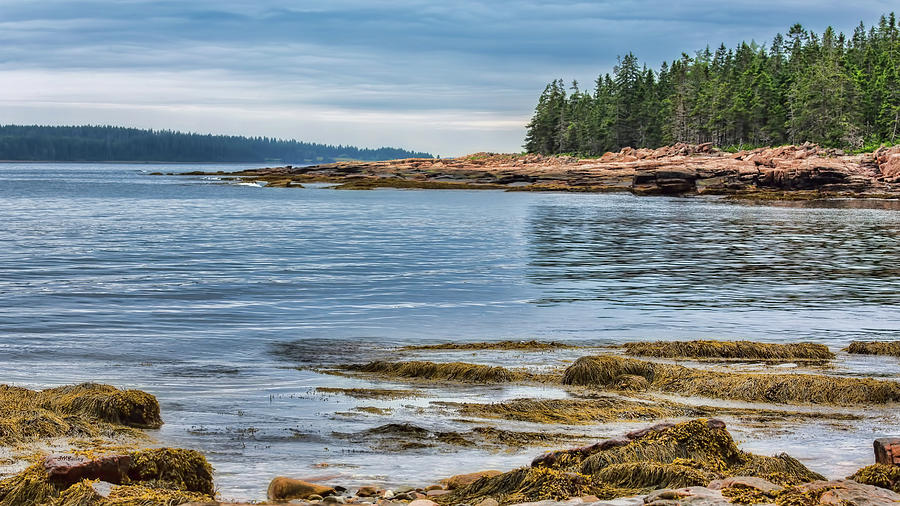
(448, 77)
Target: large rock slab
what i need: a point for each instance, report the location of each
(70, 469)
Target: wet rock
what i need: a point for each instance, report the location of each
(70, 469)
(438, 493)
(488, 502)
(887, 451)
(367, 491)
(388, 494)
(284, 488)
(334, 499)
(433, 487)
(461, 480)
(314, 497)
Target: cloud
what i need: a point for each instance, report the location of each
(465, 72)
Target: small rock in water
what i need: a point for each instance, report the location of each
(284, 488)
(367, 491)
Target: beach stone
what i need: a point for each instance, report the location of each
(760, 484)
(284, 488)
(334, 499)
(461, 480)
(423, 502)
(887, 451)
(488, 502)
(367, 491)
(102, 488)
(70, 469)
(433, 487)
(437, 493)
(697, 496)
(388, 494)
(314, 497)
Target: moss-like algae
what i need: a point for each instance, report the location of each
(730, 350)
(874, 348)
(879, 475)
(605, 371)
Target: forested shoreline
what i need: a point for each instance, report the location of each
(109, 143)
(829, 89)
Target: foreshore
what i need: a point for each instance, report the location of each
(805, 172)
(83, 444)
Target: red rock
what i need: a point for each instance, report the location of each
(887, 451)
(70, 469)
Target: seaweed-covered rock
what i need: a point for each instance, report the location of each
(461, 480)
(664, 456)
(606, 371)
(162, 476)
(879, 475)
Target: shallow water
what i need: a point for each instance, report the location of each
(185, 287)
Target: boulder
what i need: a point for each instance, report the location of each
(887, 451)
(70, 469)
(843, 492)
(283, 488)
(367, 491)
(698, 496)
(461, 480)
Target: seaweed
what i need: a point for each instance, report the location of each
(605, 371)
(879, 475)
(529, 484)
(176, 468)
(452, 371)
(370, 393)
(874, 348)
(569, 411)
(83, 411)
(742, 350)
(532, 345)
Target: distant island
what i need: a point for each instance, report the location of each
(829, 89)
(119, 144)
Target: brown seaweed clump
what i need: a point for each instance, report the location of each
(606, 371)
(874, 348)
(688, 454)
(532, 345)
(162, 477)
(879, 475)
(452, 371)
(88, 411)
(730, 350)
(370, 393)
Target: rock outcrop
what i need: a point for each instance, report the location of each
(681, 169)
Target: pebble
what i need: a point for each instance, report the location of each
(429, 488)
(388, 494)
(423, 502)
(334, 499)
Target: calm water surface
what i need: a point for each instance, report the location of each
(209, 295)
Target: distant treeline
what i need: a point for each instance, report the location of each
(108, 143)
(827, 89)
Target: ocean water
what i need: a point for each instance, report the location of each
(219, 298)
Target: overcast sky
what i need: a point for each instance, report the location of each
(445, 76)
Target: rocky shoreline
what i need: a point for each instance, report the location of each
(805, 172)
(83, 445)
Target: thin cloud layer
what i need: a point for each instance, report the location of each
(450, 77)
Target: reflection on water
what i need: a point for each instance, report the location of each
(688, 254)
